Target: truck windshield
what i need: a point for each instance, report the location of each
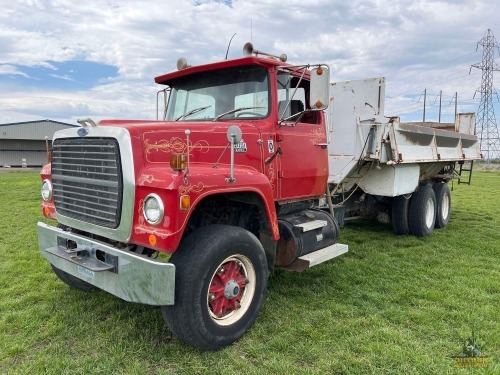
(241, 92)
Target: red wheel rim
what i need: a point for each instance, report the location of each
(231, 290)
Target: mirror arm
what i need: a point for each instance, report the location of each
(231, 167)
(165, 91)
(233, 136)
(300, 115)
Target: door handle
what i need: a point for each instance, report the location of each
(272, 157)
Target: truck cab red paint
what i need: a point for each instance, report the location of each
(277, 161)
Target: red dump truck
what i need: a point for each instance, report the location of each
(252, 167)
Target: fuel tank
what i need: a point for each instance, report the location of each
(304, 232)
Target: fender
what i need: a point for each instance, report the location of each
(246, 180)
(201, 182)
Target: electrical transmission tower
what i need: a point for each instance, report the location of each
(486, 125)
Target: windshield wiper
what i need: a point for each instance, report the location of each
(192, 112)
(233, 111)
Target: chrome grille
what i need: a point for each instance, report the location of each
(87, 180)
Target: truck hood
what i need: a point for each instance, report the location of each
(207, 140)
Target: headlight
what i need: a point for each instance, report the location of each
(153, 209)
(46, 190)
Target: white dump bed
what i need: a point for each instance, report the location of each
(381, 154)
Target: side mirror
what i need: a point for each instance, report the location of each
(235, 131)
(320, 88)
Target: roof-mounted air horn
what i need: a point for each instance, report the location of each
(248, 50)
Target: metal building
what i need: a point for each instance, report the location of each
(26, 143)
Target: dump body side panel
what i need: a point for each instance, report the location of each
(369, 150)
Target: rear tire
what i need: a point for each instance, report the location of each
(220, 282)
(443, 204)
(71, 280)
(400, 208)
(422, 211)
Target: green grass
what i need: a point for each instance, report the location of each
(400, 305)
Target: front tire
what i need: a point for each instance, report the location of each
(220, 282)
(422, 211)
(71, 280)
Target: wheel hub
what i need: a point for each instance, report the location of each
(232, 289)
(430, 213)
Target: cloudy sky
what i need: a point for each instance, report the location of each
(66, 59)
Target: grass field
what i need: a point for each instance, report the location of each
(392, 305)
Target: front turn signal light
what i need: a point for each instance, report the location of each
(185, 202)
(178, 162)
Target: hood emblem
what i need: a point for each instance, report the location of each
(82, 132)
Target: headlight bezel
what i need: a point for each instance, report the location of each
(49, 188)
(160, 208)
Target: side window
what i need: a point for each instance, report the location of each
(292, 98)
(297, 103)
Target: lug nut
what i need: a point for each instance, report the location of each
(221, 270)
(211, 296)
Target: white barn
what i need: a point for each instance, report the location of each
(25, 143)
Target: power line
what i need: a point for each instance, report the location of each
(441, 80)
(413, 106)
(486, 125)
(432, 68)
(415, 103)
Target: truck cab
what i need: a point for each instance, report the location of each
(270, 102)
(224, 184)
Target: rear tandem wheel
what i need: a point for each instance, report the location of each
(422, 213)
(443, 204)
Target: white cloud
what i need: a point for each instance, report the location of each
(63, 77)
(411, 42)
(12, 70)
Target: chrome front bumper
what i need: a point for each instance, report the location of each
(129, 276)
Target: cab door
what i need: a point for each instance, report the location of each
(303, 163)
(302, 156)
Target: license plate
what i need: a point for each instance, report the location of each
(86, 272)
